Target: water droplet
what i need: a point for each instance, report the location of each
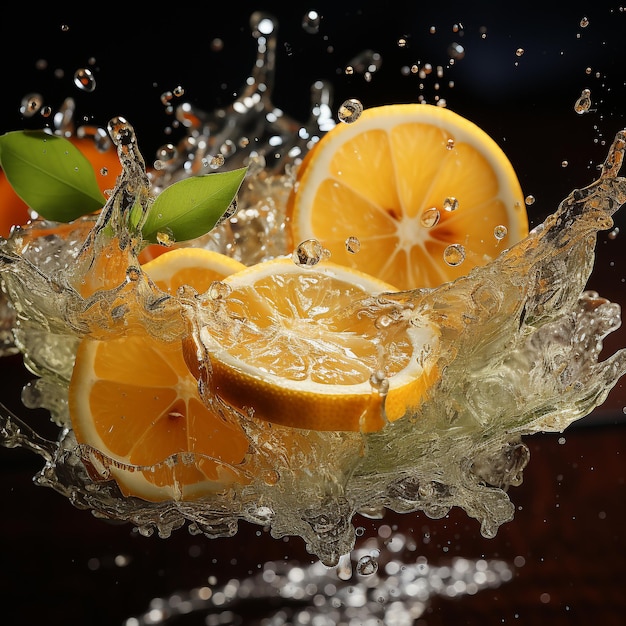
(367, 565)
(402, 42)
(450, 204)
(216, 161)
(379, 382)
(350, 111)
(217, 44)
(454, 254)
(564, 163)
(456, 51)
(583, 104)
(309, 252)
(166, 152)
(359, 531)
(228, 148)
(219, 290)
(529, 200)
(84, 79)
(353, 245)
(519, 52)
(31, 104)
(450, 144)
(165, 238)
(500, 232)
(430, 217)
(614, 233)
(584, 22)
(311, 22)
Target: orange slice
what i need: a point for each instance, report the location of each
(134, 400)
(426, 193)
(297, 346)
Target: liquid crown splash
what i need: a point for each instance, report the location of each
(519, 345)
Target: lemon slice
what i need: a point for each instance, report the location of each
(301, 347)
(134, 400)
(422, 193)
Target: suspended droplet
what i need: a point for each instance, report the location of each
(311, 22)
(614, 233)
(216, 161)
(31, 104)
(564, 163)
(519, 52)
(367, 565)
(456, 51)
(353, 245)
(584, 22)
(350, 111)
(450, 204)
(309, 252)
(217, 44)
(166, 152)
(430, 217)
(500, 232)
(450, 144)
(84, 79)
(228, 148)
(454, 254)
(529, 200)
(583, 104)
(165, 238)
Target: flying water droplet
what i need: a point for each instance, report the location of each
(430, 217)
(219, 290)
(454, 254)
(450, 204)
(308, 253)
(85, 80)
(350, 111)
(500, 232)
(353, 245)
(583, 104)
(529, 200)
(31, 104)
(367, 565)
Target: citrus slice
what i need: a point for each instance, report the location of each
(134, 400)
(426, 193)
(300, 346)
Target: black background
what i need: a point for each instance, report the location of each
(569, 526)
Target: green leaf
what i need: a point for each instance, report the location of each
(191, 207)
(50, 175)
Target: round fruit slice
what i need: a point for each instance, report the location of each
(302, 347)
(424, 194)
(134, 400)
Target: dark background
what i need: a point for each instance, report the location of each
(58, 563)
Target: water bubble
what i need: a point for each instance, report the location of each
(31, 104)
(350, 111)
(500, 232)
(311, 22)
(367, 565)
(583, 104)
(450, 204)
(309, 252)
(454, 254)
(430, 217)
(529, 200)
(84, 80)
(353, 245)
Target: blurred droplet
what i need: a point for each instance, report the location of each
(311, 22)
(353, 245)
(31, 104)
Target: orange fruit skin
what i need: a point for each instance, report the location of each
(107, 167)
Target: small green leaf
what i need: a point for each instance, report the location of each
(191, 207)
(50, 175)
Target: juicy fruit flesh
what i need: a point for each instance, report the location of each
(378, 184)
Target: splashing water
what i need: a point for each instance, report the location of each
(519, 344)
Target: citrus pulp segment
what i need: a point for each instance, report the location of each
(300, 346)
(134, 400)
(408, 181)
